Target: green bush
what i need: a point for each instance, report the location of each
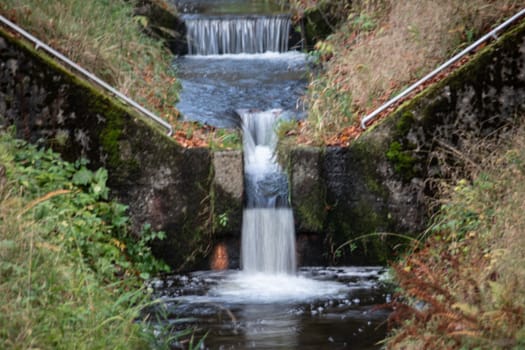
(71, 272)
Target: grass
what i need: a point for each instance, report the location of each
(384, 45)
(465, 289)
(104, 37)
(71, 274)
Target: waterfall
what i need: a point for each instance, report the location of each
(268, 234)
(218, 35)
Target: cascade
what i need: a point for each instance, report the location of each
(268, 234)
(237, 62)
(215, 35)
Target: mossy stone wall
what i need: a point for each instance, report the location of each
(163, 23)
(385, 181)
(164, 184)
(381, 183)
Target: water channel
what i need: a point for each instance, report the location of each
(240, 67)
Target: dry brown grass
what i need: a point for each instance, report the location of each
(408, 39)
(466, 288)
(107, 40)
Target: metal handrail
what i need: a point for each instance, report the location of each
(40, 45)
(492, 34)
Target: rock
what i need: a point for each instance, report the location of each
(163, 23)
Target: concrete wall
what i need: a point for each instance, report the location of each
(174, 189)
(381, 183)
(384, 182)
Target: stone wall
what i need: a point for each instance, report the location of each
(385, 181)
(163, 23)
(380, 184)
(164, 184)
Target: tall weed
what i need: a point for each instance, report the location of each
(69, 268)
(466, 288)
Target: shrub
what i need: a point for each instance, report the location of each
(69, 268)
(466, 288)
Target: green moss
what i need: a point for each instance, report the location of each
(312, 213)
(96, 93)
(388, 138)
(405, 122)
(433, 105)
(308, 198)
(402, 160)
(110, 136)
(373, 184)
(365, 220)
(368, 155)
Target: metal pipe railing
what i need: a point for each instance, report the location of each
(492, 34)
(40, 45)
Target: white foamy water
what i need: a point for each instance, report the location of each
(289, 56)
(320, 308)
(263, 288)
(268, 241)
(260, 161)
(268, 233)
(212, 35)
(308, 285)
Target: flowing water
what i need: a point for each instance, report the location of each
(239, 68)
(268, 233)
(319, 308)
(238, 61)
(215, 86)
(234, 35)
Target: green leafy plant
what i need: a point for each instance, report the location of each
(223, 219)
(71, 271)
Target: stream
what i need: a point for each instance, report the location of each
(215, 86)
(319, 308)
(240, 70)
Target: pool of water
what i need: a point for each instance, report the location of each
(320, 308)
(213, 87)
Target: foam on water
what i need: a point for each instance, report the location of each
(320, 308)
(290, 56)
(274, 288)
(240, 287)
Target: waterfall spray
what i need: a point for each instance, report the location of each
(268, 234)
(233, 35)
